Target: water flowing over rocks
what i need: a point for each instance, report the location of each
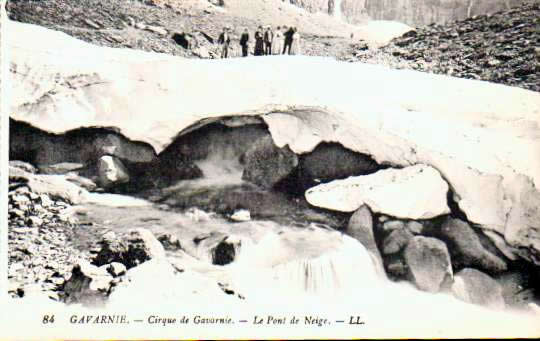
(416, 192)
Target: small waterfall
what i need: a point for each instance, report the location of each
(330, 264)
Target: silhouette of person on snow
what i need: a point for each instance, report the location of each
(259, 43)
(244, 42)
(224, 40)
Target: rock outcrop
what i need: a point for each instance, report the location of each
(416, 192)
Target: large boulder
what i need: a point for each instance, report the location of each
(416, 192)
(138, 246)
(56, 186)
(111, 171)
(265, 164)
(473, 286)
(428, 262)
(25, 166)
(467, 248)
(360, 227)
(88, 284)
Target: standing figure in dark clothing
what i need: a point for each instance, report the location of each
(268, 39)
(259, 44)
(244, 42)
(224, 40)
(288, 40)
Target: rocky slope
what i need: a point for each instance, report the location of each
(169, 26)
(500, 48)
(40, 228)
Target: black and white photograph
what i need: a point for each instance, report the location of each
(270, 169)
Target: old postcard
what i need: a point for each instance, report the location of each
(205, 169)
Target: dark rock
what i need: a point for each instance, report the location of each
(313, 167)
(183, 39)
(360, 227)
(137, 247)
(226, 251)
(88, 285)
(518, 287)
(467, 249)
(391, 225)
(396, 241)
(473, 286)
(428, 262)
(415, 227)
(115, 269)
(170, 242)
(396, 267)
(265, 164)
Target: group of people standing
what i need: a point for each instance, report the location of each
(284, 40)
